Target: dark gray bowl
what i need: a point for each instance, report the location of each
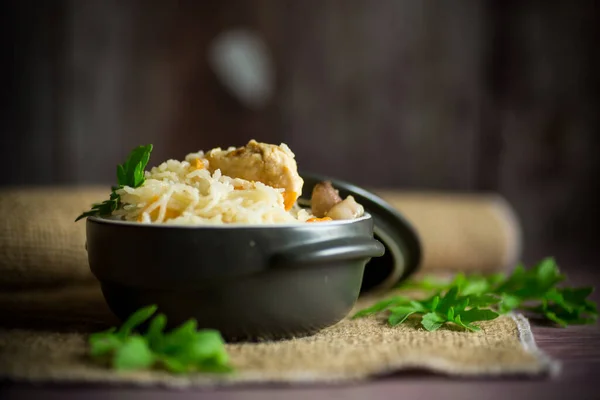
(249, 282)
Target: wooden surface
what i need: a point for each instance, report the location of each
(578, 349)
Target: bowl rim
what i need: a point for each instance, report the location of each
(235, 226)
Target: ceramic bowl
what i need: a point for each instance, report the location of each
(250, 282)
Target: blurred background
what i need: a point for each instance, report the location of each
(461, 96)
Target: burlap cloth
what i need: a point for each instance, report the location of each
(49, 302)
(461, 232)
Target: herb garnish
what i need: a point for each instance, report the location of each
(130, 173)
(466, 300)
(183, 349)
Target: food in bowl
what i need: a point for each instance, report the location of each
(257, 183)
(226, 230)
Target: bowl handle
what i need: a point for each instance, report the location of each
(328, 251)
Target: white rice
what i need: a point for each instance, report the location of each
(178, 192)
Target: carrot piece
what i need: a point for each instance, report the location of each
(169, 214)
(289, 198)
(198, 164)
(319, 219)
(152, 201)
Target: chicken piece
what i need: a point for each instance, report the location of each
(346, 209)
(324, 197)
(270, 164)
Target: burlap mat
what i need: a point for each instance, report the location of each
(40, 245)
(47, 342)
(461, 232)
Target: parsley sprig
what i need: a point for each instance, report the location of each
(468, 299)
(436, 310)
(181, 350)
(130, 173)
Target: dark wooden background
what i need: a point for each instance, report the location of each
(416, 95)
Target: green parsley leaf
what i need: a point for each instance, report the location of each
(179, 337)
(432, 321)
(136, 319)
(154, 335)
(471, 285)
(468, 299)
(566, 306)
(380, 306)
(180, 350)
(448, 300)
(185, 350)
(133, 353)
(102, 343)
(478, 314)
(508, 302)
(400, 314)
(205, 351)
(130, 173)
(484, 300)
(104, 208)
(449, 307)
(574, 297)
(174, 365)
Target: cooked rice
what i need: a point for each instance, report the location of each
(185, 192)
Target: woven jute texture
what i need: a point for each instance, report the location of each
(461, 232)
(43, 339)
(41, 245)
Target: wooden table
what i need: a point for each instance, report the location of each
(578, 348)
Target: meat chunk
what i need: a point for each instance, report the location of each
(324, 197)
(270, 164)
(327, 203)
(346, 209)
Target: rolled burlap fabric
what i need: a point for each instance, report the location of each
(461, 232)
(42, 245)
